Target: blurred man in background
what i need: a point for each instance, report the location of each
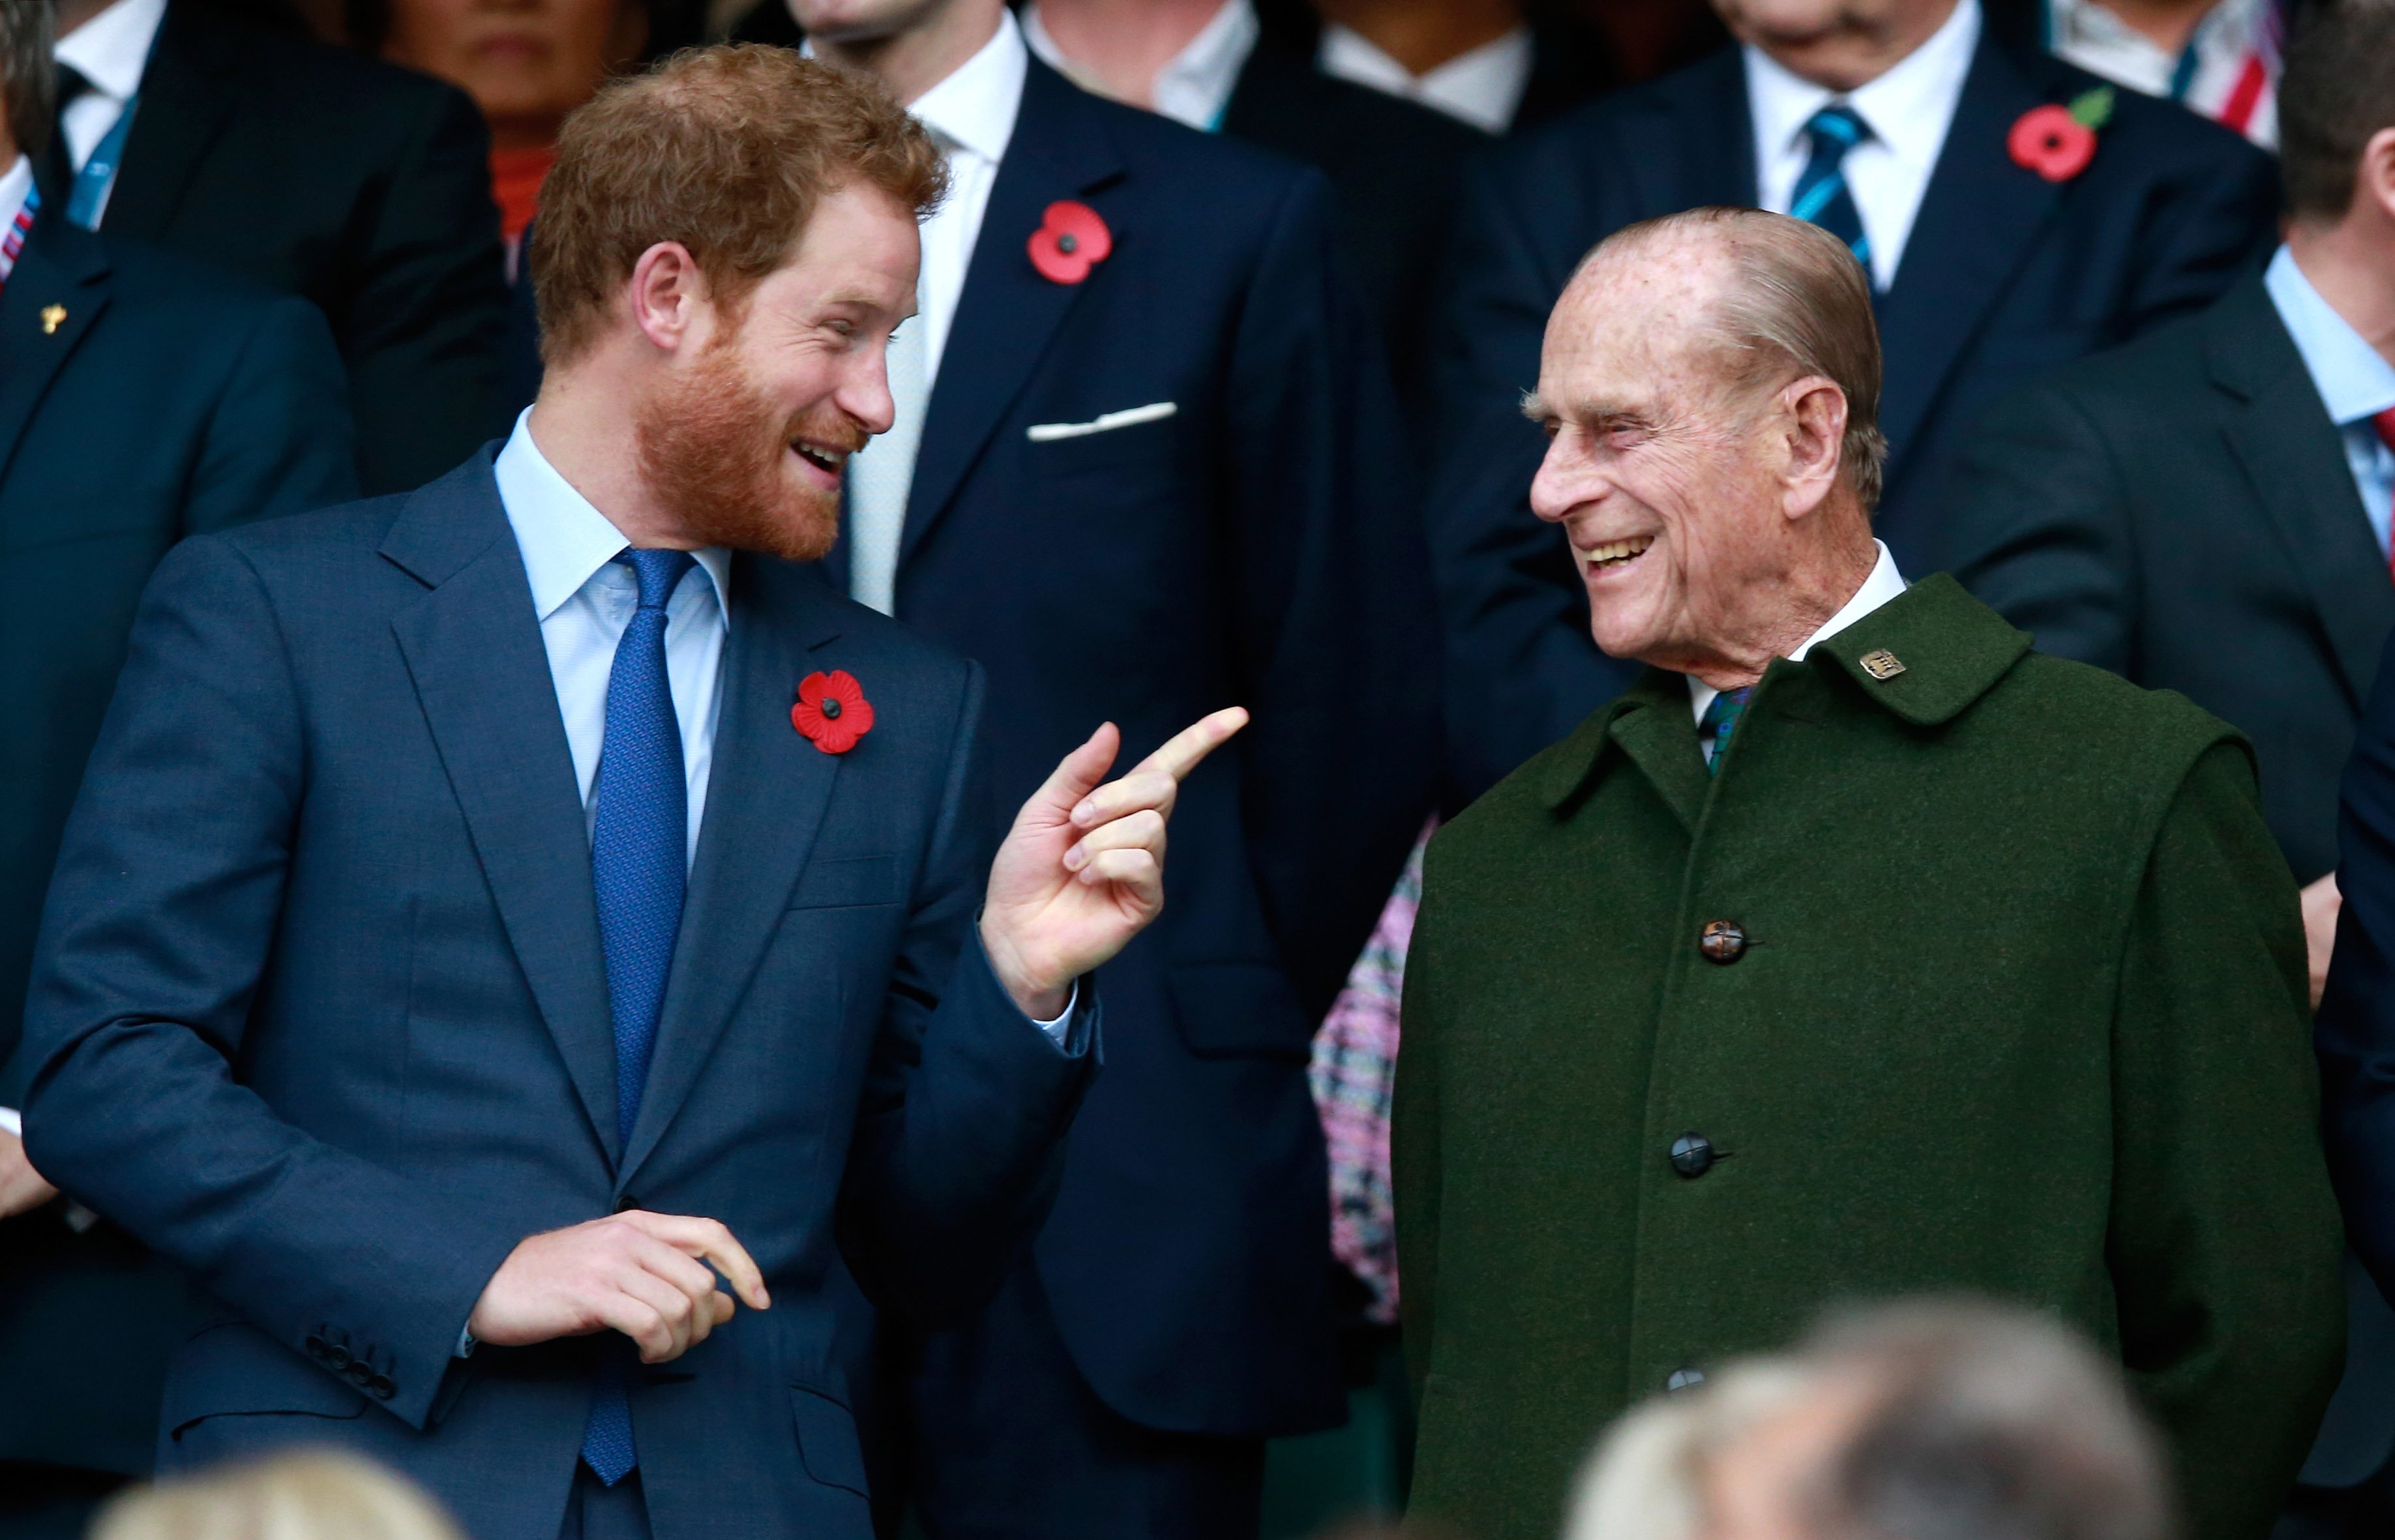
(2206, 511)
(357, 186)
(1898, 126)
(142, 399)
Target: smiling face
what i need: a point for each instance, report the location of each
(526, 63)
(745, 440)
(1840, 45)
(1659, 465)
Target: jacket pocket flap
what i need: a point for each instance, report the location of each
(848, 881)
(1239, 1008)
(827, 1440)
(234, 1369)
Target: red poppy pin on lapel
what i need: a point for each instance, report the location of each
(832, 712)
(1070, 241)
(2055, 141)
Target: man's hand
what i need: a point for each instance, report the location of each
(636, 1273)
(2321, 901)
(22, 1188)
(1083, 869)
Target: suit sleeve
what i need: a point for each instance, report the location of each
(2037, 528)
(2355, 1031)
(1522, 668)
(959, 1140)
(1336, 648)
(2218, 222)
(2226, 1249)
(160, 921)
(426, 325)
(281, 439)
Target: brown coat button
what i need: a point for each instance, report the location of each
(1722, 941)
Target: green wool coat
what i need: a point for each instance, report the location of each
(2022, 1013)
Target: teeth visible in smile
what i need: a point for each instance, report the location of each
(828, 459)
(1619, 550)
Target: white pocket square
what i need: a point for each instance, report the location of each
(1041, 433)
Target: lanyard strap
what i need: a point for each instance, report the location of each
(89, 196)
(13, 241)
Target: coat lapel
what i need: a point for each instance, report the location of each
(474, 649)
(1980, 217)
(766, 798)
(1008, 311)
(1690, 141)
(183, 105)
(60, 269)
(2282, 435)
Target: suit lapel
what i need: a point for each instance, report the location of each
(2282, 435)
(60, 269)
(1691, 144)
(1008, 311)
(1980, 217)
(766, 798)
(183, 105)
(474, 649)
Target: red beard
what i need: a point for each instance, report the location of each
(714, 452)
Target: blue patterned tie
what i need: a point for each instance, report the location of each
(1721, 720)
(1821, 192)
(639, 845)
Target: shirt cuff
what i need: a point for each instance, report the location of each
(1055, 1029)
(466, 1343)
(13, 1122)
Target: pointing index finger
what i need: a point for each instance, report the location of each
(1185, 750)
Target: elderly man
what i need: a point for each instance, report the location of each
(1856, 951)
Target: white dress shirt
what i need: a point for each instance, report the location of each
(1483, 86)
(1883, 583)
(2204, 75)
(2354, 379)
(111, 50)
(1194, 85)
(1908, 110)
(15, 183)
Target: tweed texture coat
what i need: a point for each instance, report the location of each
(2020, 1012)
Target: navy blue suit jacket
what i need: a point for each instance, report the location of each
(319, 1010)
(168, 399)
(2005, 275)
(1259, 546)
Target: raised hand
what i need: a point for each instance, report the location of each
(1082, 871)
(642, 1275)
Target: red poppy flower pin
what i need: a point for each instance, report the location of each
(2055, 141)
(832, 712)
(1070, 241)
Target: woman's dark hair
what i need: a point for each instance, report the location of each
(28, 81)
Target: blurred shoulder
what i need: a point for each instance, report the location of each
(292, 75)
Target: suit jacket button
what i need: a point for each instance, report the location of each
(337, 1355)
(1722, 941)
(357, 1374)
(381, 1387)
(1683, 1379)
(1692, 1155)
(316, 1345)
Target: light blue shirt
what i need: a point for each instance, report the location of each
(2354, 381)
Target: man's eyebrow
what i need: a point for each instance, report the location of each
(1535, 407)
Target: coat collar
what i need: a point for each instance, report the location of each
(1952, 649)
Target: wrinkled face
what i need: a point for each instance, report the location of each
(746, 443)
(862, 20)
(1656, 463)
(1837, 44)
(522, 61)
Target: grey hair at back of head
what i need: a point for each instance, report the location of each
(1799, 301)
(28, 79)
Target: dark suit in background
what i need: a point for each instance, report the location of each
(359, 185)
(2005, 274)
(2180, 512)
(170, 400)
(1255, 545)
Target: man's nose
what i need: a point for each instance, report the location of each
(865, 395)
(1563, 483)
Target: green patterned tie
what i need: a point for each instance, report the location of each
(1721, 720)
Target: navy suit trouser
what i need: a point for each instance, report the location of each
(1011, 1443)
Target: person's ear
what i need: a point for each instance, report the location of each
(669, 298)
(2374, 180)
(1815, 412)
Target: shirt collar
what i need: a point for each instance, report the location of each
(975, 107)
(1885, 582)
(1194, 88)
(15, 182)
(1483, 86)
(113, 49)
(566, 541)
(2354, 380)
(1908, 108)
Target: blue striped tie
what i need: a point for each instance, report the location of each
(639, 845)
(1721, 720)
(1821, 192)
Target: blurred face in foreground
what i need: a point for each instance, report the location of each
(743, 436)
(1683, 486)
(1840, 45)
(526, 63)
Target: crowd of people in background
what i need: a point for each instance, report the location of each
(1255, 431)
